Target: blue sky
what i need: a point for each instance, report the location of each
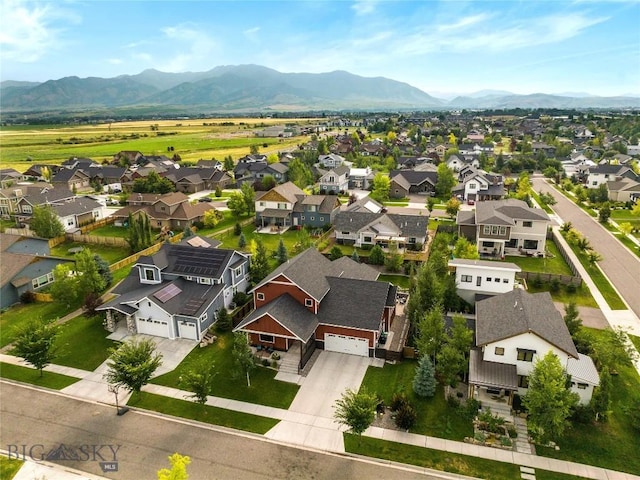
(452, 46)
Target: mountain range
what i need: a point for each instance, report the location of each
(252, 88)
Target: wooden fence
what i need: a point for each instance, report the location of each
(97, 240)
(553, 235)
(42, 297)
(147, 251)
(532, 277)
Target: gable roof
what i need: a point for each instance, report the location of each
(518, 312)
(289, 191)
(416, 177)
(504, 212)
(185, 259)
(76, 206)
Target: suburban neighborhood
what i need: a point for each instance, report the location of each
(429, 269)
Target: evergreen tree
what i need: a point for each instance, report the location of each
(281, 252)
(424, 382)
(242, 241)
(354, 256)
(572, 318)
(89, 279)
(376, 256)
(237, 229)
(335, 253)
(259, 263)
(224, 322)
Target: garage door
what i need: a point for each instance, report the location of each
(345, 344)
(148, 326)
(187, 330)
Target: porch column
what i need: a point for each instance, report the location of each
(131, 325)
(109, 323)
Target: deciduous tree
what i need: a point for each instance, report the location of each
(446, 181)
(35, 343)
(199, 380)
(178, 469)
(381, 186)
(356, 410)
(242, 356)
(45, 222)
(132, 364)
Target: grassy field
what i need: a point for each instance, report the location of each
(191, 139)
(9, 467)
(30, 375)
(203, 413)
(264, 390)
(435, 417)
(613, 444)
(83, 343)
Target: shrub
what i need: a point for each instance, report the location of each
(28, 297)
(275, 356)
(406, 417)
(506, 441)
(512, 432)
(274, 364)
(572, 288)
(554, 285)
(240, 298)
(452, 401)
(398, 400)
(493, 422)
(237, 229)
(583, 414)
(471, 407)
(198, 224)
(265, 362)
(537, 281)
(480, 437)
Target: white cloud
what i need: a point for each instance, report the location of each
(30, 30)
(464, 22)
(251, 34)
(114, 61)
(194, 48)
(363, 7)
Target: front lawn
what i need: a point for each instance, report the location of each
(435, 417)
(16, 317)
(612, 445)
(264, 390)
(429, 458)
(401, 281)
(83, 343)
(110, 253)
(31, 375)
(203, 413)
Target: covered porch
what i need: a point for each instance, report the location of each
(492, 383)
(274, 217)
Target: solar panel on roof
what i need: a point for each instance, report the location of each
(167, 293)
(192, 306)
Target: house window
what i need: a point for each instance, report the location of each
(513, 243)
(312, 218)
(472, 186)
(149, 274)
(527, 224)
(238, 271)
(525, 355)
(487, 244)
(26, 209)
(505, 280)
(345, 233)
(204, 281)
(308, 302)
(262, 204)
(42, 280)
(531, 244)
(497, 280)
(203, 317)
(312, 208)
(301, 217)
(503, 231)
(494, 230)
(366, 239)
(523, 381)
(499, 351)
(582, 386)
(266, 338)
(466, 278)
(488, 279)
(260, 296)
(479, 281)
(322, 219)
(486, 229)
(282, 206)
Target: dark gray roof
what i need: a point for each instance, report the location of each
(288, 312)
(411, 225)
(504, 212)
(308, 270)
(408, 225)
(416, 177)
(77, 206)
(518, 312)
(607, 168)
(354, 303)
(37, 195)
(466, 217)
(348, 268)
(325, 203)
(65, 174)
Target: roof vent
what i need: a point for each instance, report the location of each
(515, 305)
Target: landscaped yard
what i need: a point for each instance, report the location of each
(435, 417)
(32, 376)
(16, 317)
(582, 296)
(203, 413)
(398, 280)
(83, 343)
(264, 390)
(555, 263)
(613, 444)
(110, 231)
(109, 252)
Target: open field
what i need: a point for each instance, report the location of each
(191, 139)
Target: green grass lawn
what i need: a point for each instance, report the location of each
(398, 280)
(636, 341)
(270, 241)
(545, 207)
(110, 231)
(9, 467)
(613, 444)
(625, 240)
(228, 220)
(396, 203)
(29, 375)
(606, 289)
(203, 413)
(435, 417)
(433, 223)
(109, 252)
(120, 274)
(264, 390)
(553, 264)
(16, 317)
(581, 297)
(428, 458)
(83, 343)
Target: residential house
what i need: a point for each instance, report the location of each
(11, 196)
(360, 178)
(127, 157)
(177, 292)
(330, 161)
(213, 163)
(505, 227)
(601, 174)
(359, 226)
(410, 162)
(73, 179)
(405, 182)
(513, 331)
(633, 150)
(287, 206)
(255, 170)
(477, 185)
(482, 278)
(36, 172)
(9, 177)
(191, 179)
(311, 302)
(336, 180)
(458, 162)
(171, 211)
(541, 147)
(25, 265)
(625, 190)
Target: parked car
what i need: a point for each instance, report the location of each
(205, 199)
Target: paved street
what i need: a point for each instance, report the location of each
(31, 416)
(620, 265)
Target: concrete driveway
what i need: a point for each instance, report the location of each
(310, 420)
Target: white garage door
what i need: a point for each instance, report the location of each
(187, 330)
(345, 344)
(148, 326)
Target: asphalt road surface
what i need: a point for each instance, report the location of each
(41, 421)
(621, 266)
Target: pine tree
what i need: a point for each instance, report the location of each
(281, 253)
(224, 323)
(259, 263)
(424, 382)
(354, 256)
(242, 241)
(572, 318)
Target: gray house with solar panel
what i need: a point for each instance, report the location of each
(177, 292)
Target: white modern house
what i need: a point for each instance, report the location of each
(483, 277)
